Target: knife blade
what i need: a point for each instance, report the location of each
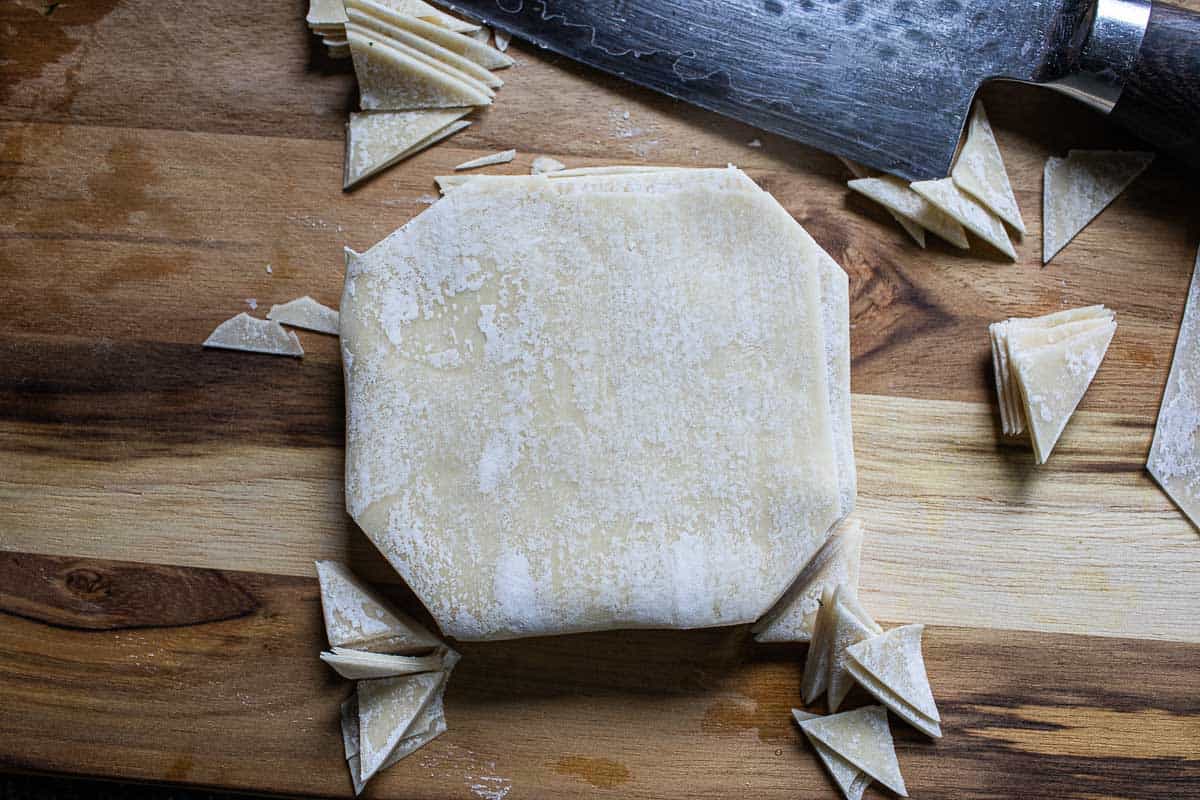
(888, 83)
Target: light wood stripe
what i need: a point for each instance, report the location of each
(960, 529)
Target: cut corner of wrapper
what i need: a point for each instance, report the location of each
(503, 157)
(305, 312)
(1077, 188)
(357, 617)
(894, 659)
(863, 739)
(252, 335)
(966, 210)
(847, 628)
(387, 710)
(979, 171)
(376, 140)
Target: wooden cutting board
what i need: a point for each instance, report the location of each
(160, 505)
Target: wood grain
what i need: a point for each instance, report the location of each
(244, 703)
(155, 157)
(962, 529)
(100, 595)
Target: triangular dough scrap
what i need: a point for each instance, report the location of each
(895, 659)
(851, 780)
(252, 335)
(325, 13)
(362, 664)
(502, 39)
(1175, 454)
(1077, 188)
(1029, 337)
(893, 701)
(1054, 378)
(428, 13)
(375, 140)
(847, 629)
(503, 157)
(391, 80)
(911, 228)
(836, 564)
(304, 312)
(422, 49)
(815, 679)
(357, 617)
(998, 375)
(350, 742)
(387, 708)
(461, 44)
(431, 722)
(979, 171)
(895, 195)
(862, 738)
(946, 195)
(544, 164)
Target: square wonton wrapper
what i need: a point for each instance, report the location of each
(491, 343)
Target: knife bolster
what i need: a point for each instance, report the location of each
(1161, 98)
(1104, 52)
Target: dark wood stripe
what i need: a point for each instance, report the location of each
(108, 595)
(120, 399)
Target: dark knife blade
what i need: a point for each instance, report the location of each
(888, 83)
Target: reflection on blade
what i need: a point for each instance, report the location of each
(884, 82)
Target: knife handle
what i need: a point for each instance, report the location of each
(1160, 101)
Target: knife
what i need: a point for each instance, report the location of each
(888, 83)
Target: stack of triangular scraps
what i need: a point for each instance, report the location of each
(401, 668)
(252, 335)
(977, 197)
(1077, 188)
(1042, 368)
(846, 647)
(327, 19)
(419, 70)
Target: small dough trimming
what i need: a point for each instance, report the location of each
(851, 780)
(544, 164)
(357, 617)
(847, 629)
(911, 228)
(1077, 188)
(362, 664)
(863, 738)
(503, 157)
(977, 218)
(252, 335)
(896, 196)
(979, 171)
(1175, 454)
(894, 658)
(375, 140)
(304, 312)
